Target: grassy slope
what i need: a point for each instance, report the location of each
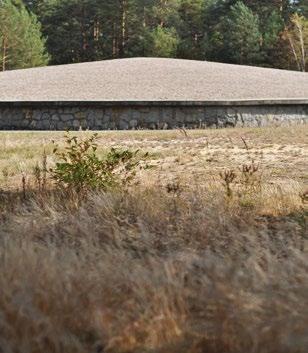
(171, 265)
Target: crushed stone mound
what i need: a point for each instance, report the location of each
(151, 79)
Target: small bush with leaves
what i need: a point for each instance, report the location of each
(79, 168)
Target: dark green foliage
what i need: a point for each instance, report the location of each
(191, 29)
(271, 28)
(79, 168)
(21, 41)
(165, 42)
(231, 31)
(242, 37)
(74, 39)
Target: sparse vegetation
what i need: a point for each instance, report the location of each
(78, 168)
(183, 260)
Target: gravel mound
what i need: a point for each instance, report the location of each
(151, 79)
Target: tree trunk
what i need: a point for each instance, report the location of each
(294, 51)
(4, 53)
(114, 41)
(302, 45)
(123, 27)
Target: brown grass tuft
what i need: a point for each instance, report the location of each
(165, 266)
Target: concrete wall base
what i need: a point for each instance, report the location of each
(100, 116)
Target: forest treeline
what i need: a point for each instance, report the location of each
(269, 33)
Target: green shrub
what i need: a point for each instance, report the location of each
(79, 168)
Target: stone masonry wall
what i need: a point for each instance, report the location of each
(61, 117)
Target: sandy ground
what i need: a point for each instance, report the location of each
(151, 79)
(281, 153)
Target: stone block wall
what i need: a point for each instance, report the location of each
(100, 116)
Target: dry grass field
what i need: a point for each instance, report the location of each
(205, 252)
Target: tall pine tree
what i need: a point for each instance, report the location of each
(246, 32)
(191, 29)
(242, 36)
(21, 40)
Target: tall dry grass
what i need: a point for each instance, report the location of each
(151, 269)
